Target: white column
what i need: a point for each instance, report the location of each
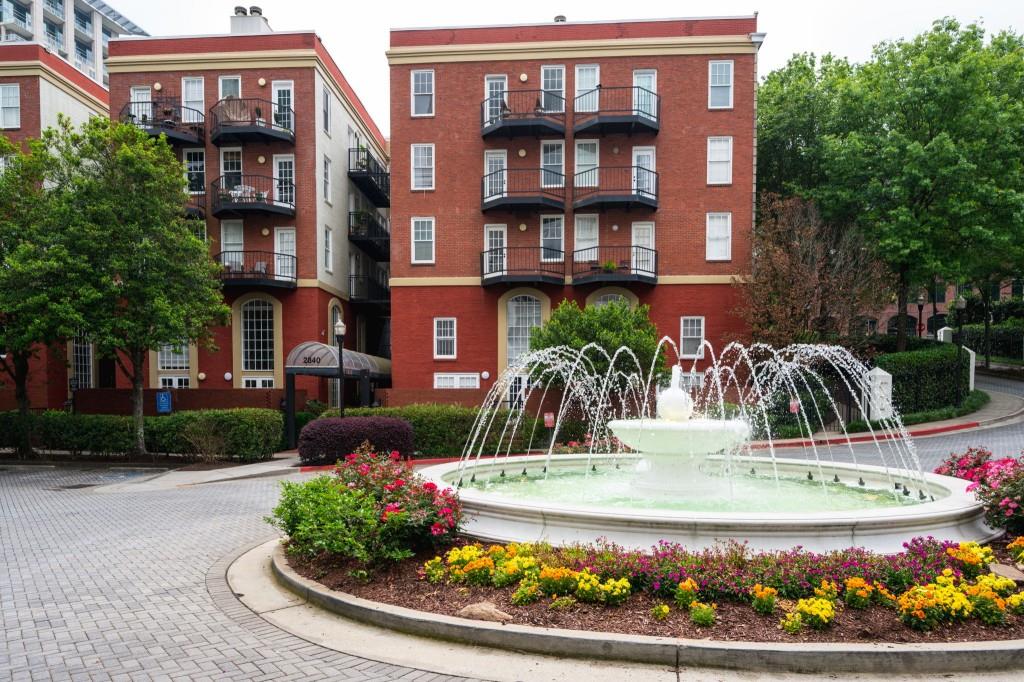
(97, 45)
(879, 394)
(37, 21)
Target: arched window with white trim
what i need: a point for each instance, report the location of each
(257, 331)
(523, 315)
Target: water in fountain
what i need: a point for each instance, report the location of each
(688, 447)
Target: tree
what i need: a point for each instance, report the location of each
(610, 326)
(39, 278)
(152, 280)
(810, 279)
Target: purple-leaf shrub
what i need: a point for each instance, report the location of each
(325, 441)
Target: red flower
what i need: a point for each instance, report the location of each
(395, 456)
(430, 486)
(437, 529)
(351, 457)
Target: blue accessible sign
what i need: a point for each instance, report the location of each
(163, 402)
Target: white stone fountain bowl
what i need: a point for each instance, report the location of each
(691, 437)
(954, 515)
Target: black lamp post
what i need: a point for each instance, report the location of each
(920, 314)
(339, 338)
(961, 305)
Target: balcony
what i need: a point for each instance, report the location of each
(366, 289)
(609, 111)
(257, 268)
(608, 187)
(196, 206)
(522, 189)
(83, 26)
(84, 64)
(55, 43)
(370, 176)
(615, 264)
(238, 120)
(369, 231)
(54, 8)
(15, 19)
(236, 195)
(522, 265)
(522, 113)
(166, 116)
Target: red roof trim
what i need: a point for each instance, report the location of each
(32, 52)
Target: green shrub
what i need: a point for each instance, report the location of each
(927, 379)
(442, 430)
(974, 402)
(1005, 340)
(322, 516)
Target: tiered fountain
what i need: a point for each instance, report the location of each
(690, 472)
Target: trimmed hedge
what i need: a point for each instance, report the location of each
(327, 440)
(927, 379)
(1006, 340)
(442, 430)
(249, 434)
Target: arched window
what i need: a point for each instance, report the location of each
(523, 316)
(258, 341)
(608, 298)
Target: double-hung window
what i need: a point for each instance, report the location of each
(173, 358)
(586, 163)
(422, 240)
(423, 166)
(10, 105)
(449, 380)
(444, 338)
(327, 110)
(719, 160)
(282, 92)
(327, 179)
(719, 236)
(691, 337)
(328, 249)
(229, 86)
(720, 84)
(423, 92)
(585, 238)
(552, 164)
(552, 237)
(192, 99)
(552, 83)
(195, 169)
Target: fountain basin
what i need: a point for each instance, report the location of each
(954, 515)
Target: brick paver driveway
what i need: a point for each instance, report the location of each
(130, 586)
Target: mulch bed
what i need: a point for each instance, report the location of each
(400, 585)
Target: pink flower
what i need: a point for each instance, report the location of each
(430, 486)
(393, 507)
(351, 457)
(395, 456)
(437, 529)
(363, 469)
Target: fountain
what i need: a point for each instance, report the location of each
(699, 461)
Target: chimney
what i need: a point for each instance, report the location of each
(560, 19)
(251, 22)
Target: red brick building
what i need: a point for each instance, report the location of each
(582, 161)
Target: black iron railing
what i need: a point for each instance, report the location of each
(522, 262)
(196, 204)
(522, 105)
(234, 113)
(616, 181)
(368, 289)
(617, 101)
(522, 182)
(240, 191)
(368, 225)
(164, 115)
(363, 164)
(266, 266)
(610, 262)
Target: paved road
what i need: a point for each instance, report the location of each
(130, 585)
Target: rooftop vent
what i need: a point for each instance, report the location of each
(560, 19)
(239, 11)
(255, 11)
(249, 21)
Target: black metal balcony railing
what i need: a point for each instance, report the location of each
(615, 264)
(370, 176)
(616, 186)
(241, 119)
(167, 116)
(617, 110)
(370, 231)
(514, 113)
(257, 268)
(522, 188)
(235, 193)
(522, 264)
(195, 207)
(367, 289)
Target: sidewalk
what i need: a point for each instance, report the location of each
(282, 464)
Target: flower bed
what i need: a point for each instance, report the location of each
(998, 483)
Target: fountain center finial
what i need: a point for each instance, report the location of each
(674, 403)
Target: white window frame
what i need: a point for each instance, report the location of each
(277, 159)
(16, 88)
(493, 78)
(326, 110)
(543, 68)
(732, 81)
(241, 163)
(412, 239)
(174, 354)
(561, 144)
(489, 186)
(433, 166)
(174, 381)
(328, 249)
(561, 248)
(257, 382)
(576, 163)
(220, 85)
(503, 269)
(717, 138)
(202, 90)
(327, 180)
(703, 335)
(454, 338)
(275, 87)
(707, 236)
(596, 90)
(184, 160)
(580, 257)
(412, 93)
(460, 379)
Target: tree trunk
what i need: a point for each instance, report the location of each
(137, 358)
(986, 302)
(902, 294)
(21, 361)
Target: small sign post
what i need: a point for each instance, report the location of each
(163, 402)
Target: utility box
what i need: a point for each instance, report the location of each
(945, 335)
(879, 394)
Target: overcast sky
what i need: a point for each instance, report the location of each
(356, 31)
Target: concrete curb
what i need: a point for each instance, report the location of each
(966, 657)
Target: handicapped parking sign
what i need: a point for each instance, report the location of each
(163, 402)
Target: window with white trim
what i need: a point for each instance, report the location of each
(327, 179)
(586, 163)
(522, 315)
(691, 337)
(174, 382)
(327, 110)
(691, 380)
(450, 380)
(10, 105)
(422, 92)
(195, 169)
(328, 249)
(423, 166)
(552, 83)
(719, 160)
(444, 338)
(257, 336)
(422, 240)
(258, 382)
(193, 99)
(552, 164)
(720, 84)
(719, 236)
(605, 299)
(171, 357)
(229, 86)
(552, 237)
(586, 238)
(82, 358)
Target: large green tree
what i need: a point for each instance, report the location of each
(152, 280)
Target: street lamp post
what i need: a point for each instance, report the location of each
(920, 315)
(339, 337)
(961, 305)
